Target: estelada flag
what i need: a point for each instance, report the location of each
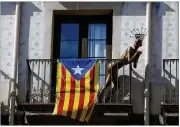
(76, 88)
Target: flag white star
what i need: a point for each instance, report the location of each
(78, 70)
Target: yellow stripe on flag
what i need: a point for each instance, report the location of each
(67, 93)
(58, 86)
(96, 77)
(87, 96)
(96, 86)
(76, 99)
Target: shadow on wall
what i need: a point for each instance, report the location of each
(127, 8)
(7, 8)
(137, 89)
(170, 93)
(10, 84)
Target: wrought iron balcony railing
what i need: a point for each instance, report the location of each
(171, 81)
(41, 81)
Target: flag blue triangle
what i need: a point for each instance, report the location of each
(78, 67)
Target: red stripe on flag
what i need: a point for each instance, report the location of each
(62, 90)
(81, 99)
(72, 95)
(92, 90)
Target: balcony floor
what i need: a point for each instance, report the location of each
(38, 107)
(103, 114)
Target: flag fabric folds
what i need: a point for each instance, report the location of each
(76, 88)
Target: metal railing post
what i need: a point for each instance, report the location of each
(130, 77)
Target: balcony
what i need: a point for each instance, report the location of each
(170, 103)
(41, 93)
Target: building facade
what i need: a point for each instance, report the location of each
(39, 30)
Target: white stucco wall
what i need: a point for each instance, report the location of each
(36, 30)
(7, 20)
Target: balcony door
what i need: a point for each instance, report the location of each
(83, 36)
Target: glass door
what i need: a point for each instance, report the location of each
(83, 36)
(97, 46)
(69, 42)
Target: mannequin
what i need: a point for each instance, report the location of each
(131, 55)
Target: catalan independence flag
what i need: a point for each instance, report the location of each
(76, 88)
